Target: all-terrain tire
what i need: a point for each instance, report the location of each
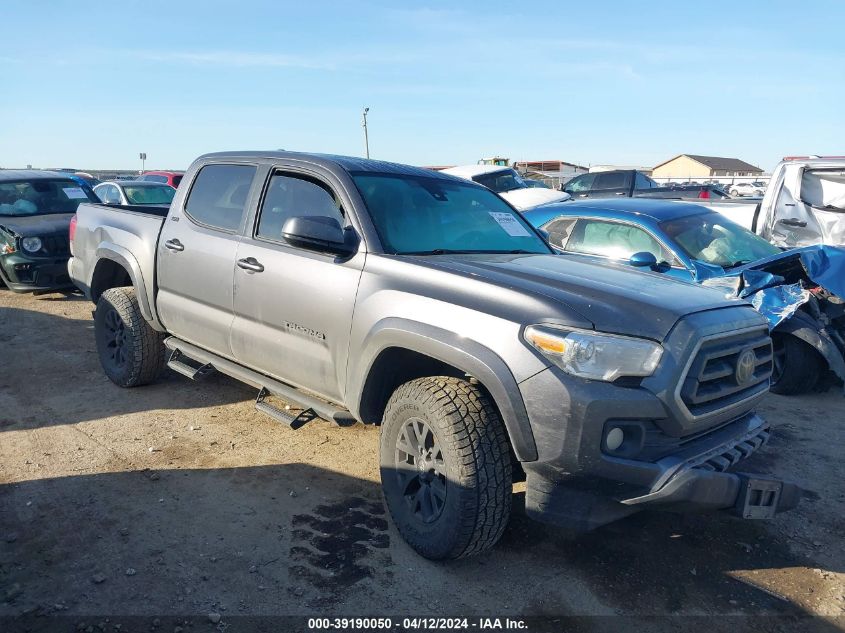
(797, 368)
(131, 352)
(475, 464)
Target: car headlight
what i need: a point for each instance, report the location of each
(595, 355)
(31, 244)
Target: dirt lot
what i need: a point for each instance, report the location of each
(180, 499)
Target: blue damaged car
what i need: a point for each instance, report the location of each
(799, 291)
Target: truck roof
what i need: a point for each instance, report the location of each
(351, 164)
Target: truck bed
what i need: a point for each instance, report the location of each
(128, 232)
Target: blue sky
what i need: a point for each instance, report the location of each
(91, 84)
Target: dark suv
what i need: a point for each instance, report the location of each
(36, 208)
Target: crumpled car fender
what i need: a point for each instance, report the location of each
(809, 330)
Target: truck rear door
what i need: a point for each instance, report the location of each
(293, 307)
(196, 256)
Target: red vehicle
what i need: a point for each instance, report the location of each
(172, 178)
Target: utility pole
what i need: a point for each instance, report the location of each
(366, 137)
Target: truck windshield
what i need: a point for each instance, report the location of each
(712, 238)
(415, 215)
(501, 181)
(42, 196)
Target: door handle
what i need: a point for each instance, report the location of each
(620, 193)
(251, 264)
(793, 222)
(174, 245)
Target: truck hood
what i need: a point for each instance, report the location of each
(35, 225)
(530, 197)
(614, 299)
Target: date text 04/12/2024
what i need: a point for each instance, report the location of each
(416, 624)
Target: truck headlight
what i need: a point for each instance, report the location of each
(31, 244)
(595, 355)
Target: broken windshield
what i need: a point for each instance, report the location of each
(712, 238)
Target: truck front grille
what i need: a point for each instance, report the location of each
(56, 245)
(715, 380)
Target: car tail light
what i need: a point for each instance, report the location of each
(71, 233)
(704, 193)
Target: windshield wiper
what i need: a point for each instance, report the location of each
(440, 251)
(741, 262)
(450, 251)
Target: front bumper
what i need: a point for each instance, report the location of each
(22, 273)
(577, 484)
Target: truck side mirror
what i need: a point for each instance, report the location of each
(322, 234)
(643, 259)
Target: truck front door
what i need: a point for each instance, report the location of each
(293, 307)
(196, 257)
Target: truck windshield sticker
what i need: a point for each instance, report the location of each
(509, 224)
(74, 193)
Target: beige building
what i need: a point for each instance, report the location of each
(693, 166)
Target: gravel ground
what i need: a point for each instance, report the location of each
(179, 499)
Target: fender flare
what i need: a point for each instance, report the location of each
(466, 355)
(122, 256)
(805, 327)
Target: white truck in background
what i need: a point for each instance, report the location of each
(804, 203)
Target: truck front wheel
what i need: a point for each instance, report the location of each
(131, 352)
(445, 467)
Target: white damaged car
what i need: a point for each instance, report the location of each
(509, 184)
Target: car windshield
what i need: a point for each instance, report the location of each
(501, 181)
(712, 238)
(416, 215)
(143, 194)
(40, 196)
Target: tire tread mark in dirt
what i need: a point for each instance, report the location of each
(334, 547)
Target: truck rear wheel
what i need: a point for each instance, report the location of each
(445, 467)
(131, 352)
(797, 366)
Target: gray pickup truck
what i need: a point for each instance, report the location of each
(360, 290)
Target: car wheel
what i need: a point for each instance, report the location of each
(796, 366)
(734, 192)
(445, 467)
(131, 352)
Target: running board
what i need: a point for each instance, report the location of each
(186, 369)
(293, 421)
(294, 396)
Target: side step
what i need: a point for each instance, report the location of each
(293, 421)
(179, 363)
(317, 406)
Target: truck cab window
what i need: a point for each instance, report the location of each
(580, 183)
(219, 194)
(642, 182)
(611, 180)
(292, 196)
